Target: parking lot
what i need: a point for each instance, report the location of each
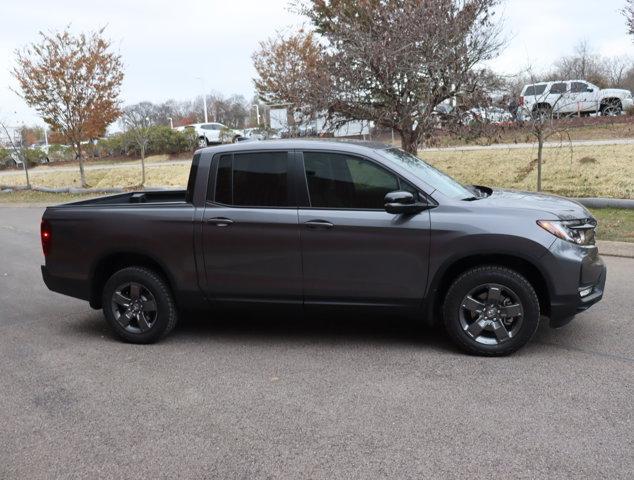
(244, 396)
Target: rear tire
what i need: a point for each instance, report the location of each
(138, 305)
(612, 108)
(491, 311)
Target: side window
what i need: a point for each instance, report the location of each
(224, 181)
(558, 88)
(578, 87)
(343, 181)
(253, 180)
(530, 90)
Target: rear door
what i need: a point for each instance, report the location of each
(584, 100)
(250, 229)
(353, 251)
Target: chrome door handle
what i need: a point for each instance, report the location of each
(220, 221)
(315, 224)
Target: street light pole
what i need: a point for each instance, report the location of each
(204, 98)
(257, 112)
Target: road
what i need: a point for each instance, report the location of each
(248, 397)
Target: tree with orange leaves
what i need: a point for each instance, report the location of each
(73, 81)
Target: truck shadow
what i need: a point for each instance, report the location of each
(332, 328)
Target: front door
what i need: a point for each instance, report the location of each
(353, 251)
(250, 230)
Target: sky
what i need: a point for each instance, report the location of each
(173, 49)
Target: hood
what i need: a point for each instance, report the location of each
(563, 208)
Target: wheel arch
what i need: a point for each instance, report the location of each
(112, 262)
(542, 105)
(608, 100)
(453, 268)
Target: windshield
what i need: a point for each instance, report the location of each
(438, 180)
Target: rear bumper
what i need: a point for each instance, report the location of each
(563, 309)
(66, 286)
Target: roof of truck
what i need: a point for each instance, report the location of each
(300, 143)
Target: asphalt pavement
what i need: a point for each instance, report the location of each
(249, 397)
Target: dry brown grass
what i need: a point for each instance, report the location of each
(610, 175)
(124, 177)
(565, 172)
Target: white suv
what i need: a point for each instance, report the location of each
(213, 133)
(574, 97)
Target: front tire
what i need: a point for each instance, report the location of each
(138, 305)
(202, 142)
(491, 311)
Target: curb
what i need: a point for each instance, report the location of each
(601, 202)
(616, 249)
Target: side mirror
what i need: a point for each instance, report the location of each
(401, 202)
(590, 90)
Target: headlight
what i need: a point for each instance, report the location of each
(580, 232)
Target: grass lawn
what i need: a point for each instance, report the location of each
(615, 224)
(127, 176)
(606, 130)
(41, 197)
(588, 171)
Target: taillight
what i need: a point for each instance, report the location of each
(521, 101)
(47, 237)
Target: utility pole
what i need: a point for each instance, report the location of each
(257, 112)
(204, 98)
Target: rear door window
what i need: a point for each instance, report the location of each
(558, 88)
(253, 180)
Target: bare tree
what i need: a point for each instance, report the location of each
(17, 151)
(544, 123)
(394, 61)
(628, 11)
(586, 65)
(73, 81)
(136, 120)
(292, 71)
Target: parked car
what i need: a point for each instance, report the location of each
(213, 133)
(574, 97)
(326, 224)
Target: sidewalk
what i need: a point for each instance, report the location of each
(616, 249)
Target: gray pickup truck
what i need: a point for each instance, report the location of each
(324, 224)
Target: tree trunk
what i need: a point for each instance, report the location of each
(26, 172)
(143, 165)
(540, 150)
(409, 141)
(82, 176)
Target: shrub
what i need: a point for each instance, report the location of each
(32, 156)
(166, 140)
(161, 140)
(60, 153)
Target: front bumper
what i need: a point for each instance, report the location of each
(592, 278)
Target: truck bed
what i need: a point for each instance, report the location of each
(151, 197)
